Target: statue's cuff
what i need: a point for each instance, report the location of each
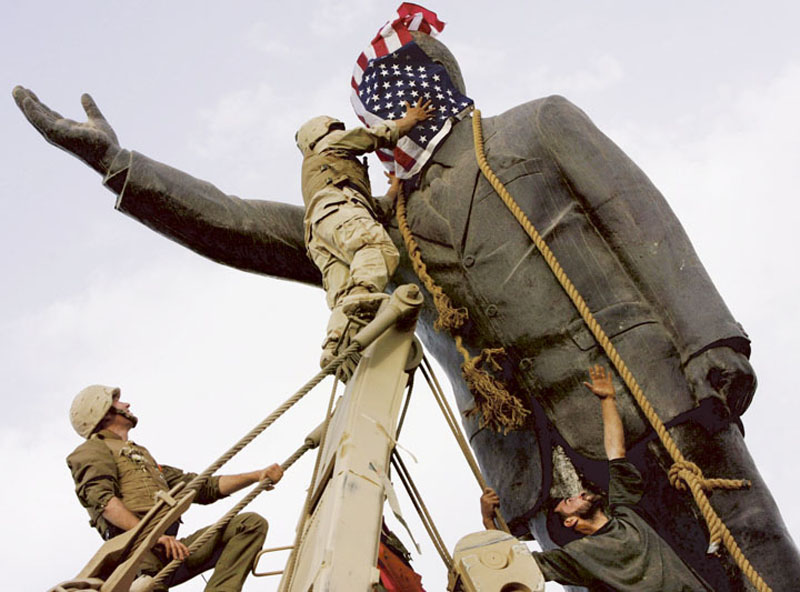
(118, 172)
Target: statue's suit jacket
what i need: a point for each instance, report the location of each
(610, 228)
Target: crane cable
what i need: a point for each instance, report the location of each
(683, 472)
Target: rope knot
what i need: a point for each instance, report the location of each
(682, 472)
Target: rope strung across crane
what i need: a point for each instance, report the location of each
(211, 531)
(683, 473)
(198, 481)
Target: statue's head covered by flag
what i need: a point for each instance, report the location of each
(394, 69)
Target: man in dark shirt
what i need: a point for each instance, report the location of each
(618, 551)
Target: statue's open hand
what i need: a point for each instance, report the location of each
(93, 141)
(728, 373)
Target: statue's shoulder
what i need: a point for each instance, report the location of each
(552, 106)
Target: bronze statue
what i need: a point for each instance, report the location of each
(617, 239)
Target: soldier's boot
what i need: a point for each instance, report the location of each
(362, 304)
(143, 584)
(329, 349)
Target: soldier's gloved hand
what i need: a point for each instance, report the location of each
(724, 371)
(93, 141)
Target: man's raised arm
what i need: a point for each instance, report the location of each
(613, 431)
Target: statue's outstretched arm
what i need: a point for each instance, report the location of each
(259, 236)
(638, 224)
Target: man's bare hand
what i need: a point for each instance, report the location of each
(274, 472)
(601, 384)
(420, 111)
(173, 548)
(489, 503)
(394, 185)
(93, 141)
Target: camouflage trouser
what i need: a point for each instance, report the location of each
(352, 250)
(230, 552)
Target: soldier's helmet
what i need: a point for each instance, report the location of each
(313, 130)
(90, 406)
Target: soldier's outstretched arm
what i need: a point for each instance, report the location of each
(92, 141)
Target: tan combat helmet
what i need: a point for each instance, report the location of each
(90, 406)
(314, 129)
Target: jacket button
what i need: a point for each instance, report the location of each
(469, 261)
(491, 310)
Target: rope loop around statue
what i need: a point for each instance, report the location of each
(683, 474)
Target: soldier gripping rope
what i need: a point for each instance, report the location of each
(117, 480)
(343, 237)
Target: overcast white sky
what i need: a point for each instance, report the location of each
(703, 95)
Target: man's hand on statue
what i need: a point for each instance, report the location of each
(274, 472)
(602, 384)
(726, 372)
(489, 503)
(93, 141)
(420, 111)
(173, 548)
(394, 185)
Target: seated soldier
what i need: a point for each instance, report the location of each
(617, 549)
(343, 238)
(116, 481)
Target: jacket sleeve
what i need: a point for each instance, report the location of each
(625, 484)
(264, 237)
(360, 140)
(95, 474)
(640, 227)
(207, 494)
(558, 566)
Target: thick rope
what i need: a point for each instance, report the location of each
(211, 531)
(198, 481)
(682, 471)
(498, 408)
(452, 423)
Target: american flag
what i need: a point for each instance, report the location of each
(393, 70)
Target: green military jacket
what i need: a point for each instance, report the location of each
(105, 466)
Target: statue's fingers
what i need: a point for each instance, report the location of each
(39, 117)
(91, 108)
(29, 103)
(97, 118)
(51, 125)
(20, 93)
